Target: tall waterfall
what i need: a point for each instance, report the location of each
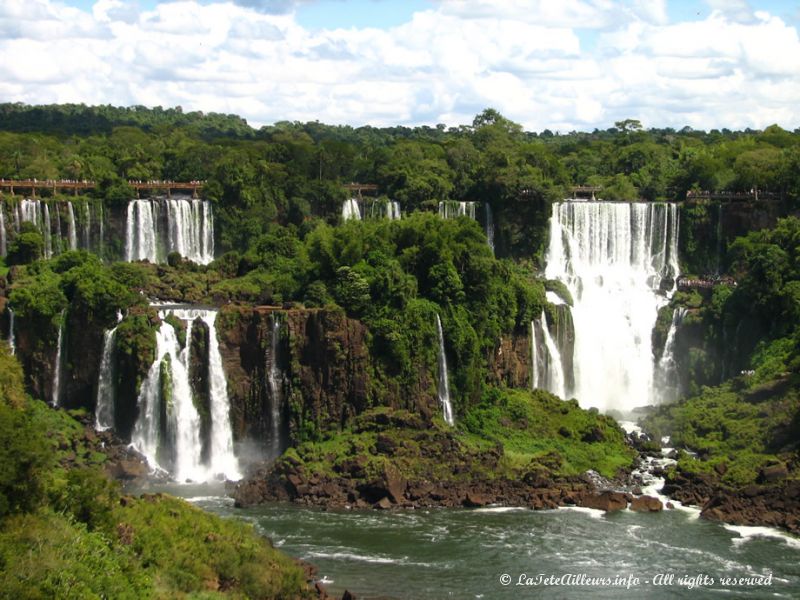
(619, 261)
(57, 367)
(444, 386)
(38, 213)
(667, 382)
(72, 233)
(450, 209)
(11, 340)
(553, 369)
(2, 229)
(534, 358)
(86, 226)
(489, 225)
(350, 210)
(157, 227)
(275, 378)
(104, 411)
(167, 431)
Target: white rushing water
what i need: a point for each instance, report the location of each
(387, 209)
(104, 411)
(613, 257)
(489, 225)
(2, 229)
(157, 227)
(86, 226)
(553, 371)
(11, 340)
(38, 213)
(450, 209)
(667, 383)
(167, 431)
(534, 358)
(350, 210)
(58, 364)
(444, 386)
(72, 232)
(275, 381)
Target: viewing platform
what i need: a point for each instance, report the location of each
(751, 196)
(32, 185)
(703, 283)
(358, 188)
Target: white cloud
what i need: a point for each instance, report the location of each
(527, 58)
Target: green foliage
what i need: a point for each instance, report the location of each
(27, 246)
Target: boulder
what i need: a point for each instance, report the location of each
(773, 473)
(646, 504)
(608, 501)
(474, 500)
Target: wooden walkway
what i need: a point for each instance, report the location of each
(32, 185)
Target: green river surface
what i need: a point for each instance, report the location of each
(494, 552)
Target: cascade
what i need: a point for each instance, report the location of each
(2, 230)
(450, 209)
(100, 220)
(444, 386)
(167, 431)
(387, 209)
(11, 340)
(58, 366)
(57, 241)
(104, 408)
(489, 225)
(619, 260)
(350, 210)
(534, 358)
(86, 227)
(72, 233)
(46, 233)
(155, 228)
(275, 378)
(668, 384)
(553, 380)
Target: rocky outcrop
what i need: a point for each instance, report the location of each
(775, 505)
(510, 363)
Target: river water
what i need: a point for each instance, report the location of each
(486, 553)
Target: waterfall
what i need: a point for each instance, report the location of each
(275, 380)
(86, 227)
(46, 232)
(167, 431)
(58, 366)
(140, 231)
(350, 210)
(2, 229)
(489, 225)
(444, 386)
(100, 219)
(450, 209)
(105, 406)
(11, 340)
(38, 213)
(668, 383)
(187, 228)
(534, 358)
(72, 233)
(619, 261)
(553, 380)
(57, 241)
(387, 209)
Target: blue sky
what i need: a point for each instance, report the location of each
(560, 65)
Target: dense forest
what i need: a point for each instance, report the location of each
(377, 288)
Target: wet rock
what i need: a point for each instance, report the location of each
(646, 504)
(773, 473)
(607, 501)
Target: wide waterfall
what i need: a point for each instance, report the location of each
(104, 411)
(444, 386)
(386, 209)
(450, 209)
(619, 261)
(275, 379)
(350, 210)
(168, 430)
(158, 227)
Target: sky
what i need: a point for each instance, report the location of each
(563, 65)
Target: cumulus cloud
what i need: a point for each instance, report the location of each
(527, 58)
